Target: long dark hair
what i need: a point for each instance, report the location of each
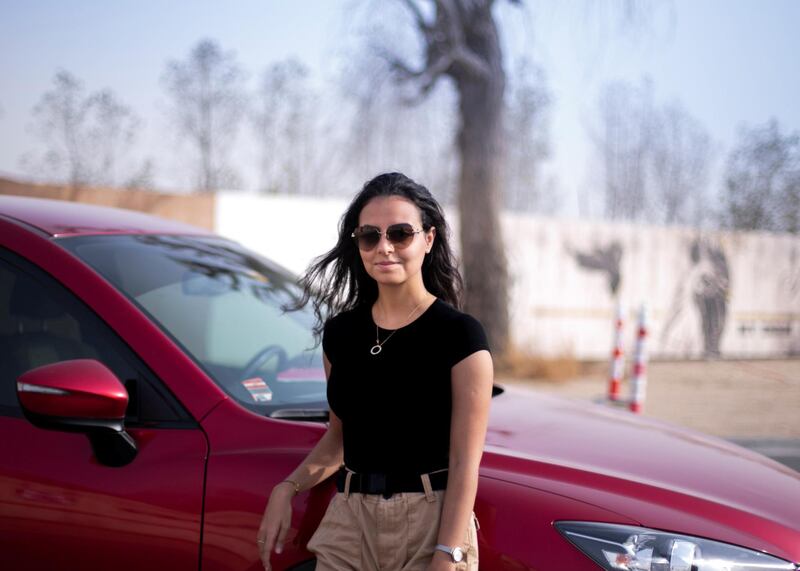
(337, 280)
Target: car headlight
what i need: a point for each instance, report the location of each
(629, 548)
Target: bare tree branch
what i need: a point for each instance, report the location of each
(415, 10)
(762, 180)
(472, 64)
(88, 138)
(396, 64)
(208, 101)
(425, 78)
(451, 22)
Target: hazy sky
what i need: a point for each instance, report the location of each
(727, 61)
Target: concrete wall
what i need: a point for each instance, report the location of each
(708, 294)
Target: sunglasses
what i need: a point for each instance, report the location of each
(399, 235)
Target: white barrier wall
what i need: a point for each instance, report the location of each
(708, 294)
(289, 230)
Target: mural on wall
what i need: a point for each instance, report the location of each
(790, 278)
(605, 259)
(700, 303)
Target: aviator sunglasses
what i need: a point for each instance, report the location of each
(399, 235)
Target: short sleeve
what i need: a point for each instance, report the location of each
(468, 338)
(329, 339)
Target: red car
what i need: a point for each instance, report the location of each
(153, 390)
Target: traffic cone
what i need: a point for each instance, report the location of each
(639, 379)
(617, 357)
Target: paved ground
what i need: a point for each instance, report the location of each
(784, 450)
(753, 403)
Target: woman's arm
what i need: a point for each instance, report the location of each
(323, 461)
(472, 380)
(325, 458)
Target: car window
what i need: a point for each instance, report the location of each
(41, 323)
(226, 307)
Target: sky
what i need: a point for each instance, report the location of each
(728, 62)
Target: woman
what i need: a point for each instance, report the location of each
(409, 385)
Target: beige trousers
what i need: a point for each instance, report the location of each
(366, 532)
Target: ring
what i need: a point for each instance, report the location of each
(261, 541)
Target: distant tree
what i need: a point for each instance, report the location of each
(284, 122)
(762, 181)
(680, 154)
(61, 122)
(390, 128)
(143, 177)
(88, 138)
(654, 160)
(623, 144)
(208, 103)
(112, 133)
(362, 86)
(528, 141)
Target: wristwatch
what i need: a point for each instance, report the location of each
(455, 553)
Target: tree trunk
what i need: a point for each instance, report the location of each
(479, 199)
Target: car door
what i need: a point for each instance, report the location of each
(61, 507)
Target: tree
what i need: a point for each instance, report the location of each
(208, 103)
(111, 135)
(528, 142)
(680, 153)
(284, 124)
(88, 137)
(390, 128)
(655, 159)
(762, 181)
(461, 42)
(60, 120)
(623, 143)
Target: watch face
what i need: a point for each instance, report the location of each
(458, 554)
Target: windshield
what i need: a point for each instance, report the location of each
(223, 305)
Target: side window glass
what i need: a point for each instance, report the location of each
(42, 323)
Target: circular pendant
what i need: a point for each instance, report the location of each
(375, 350)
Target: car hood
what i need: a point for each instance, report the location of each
(658, 474)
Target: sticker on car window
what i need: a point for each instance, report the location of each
(258, 389)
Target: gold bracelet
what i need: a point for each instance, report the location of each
(294, 484)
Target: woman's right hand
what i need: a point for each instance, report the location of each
(276, 522)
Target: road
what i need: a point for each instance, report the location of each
(784, 450)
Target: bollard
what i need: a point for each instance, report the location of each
(639, 379)
(617, 357)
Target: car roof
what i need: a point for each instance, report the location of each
(60, 218)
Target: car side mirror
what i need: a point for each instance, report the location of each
(81, 395)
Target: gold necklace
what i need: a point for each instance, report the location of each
(378, 347)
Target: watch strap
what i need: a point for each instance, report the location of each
(451, 552)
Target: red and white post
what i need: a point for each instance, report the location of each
(639, 379)
(617, 357)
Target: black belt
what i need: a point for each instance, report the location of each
(388, 484)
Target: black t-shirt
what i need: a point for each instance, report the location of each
(396, 406)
